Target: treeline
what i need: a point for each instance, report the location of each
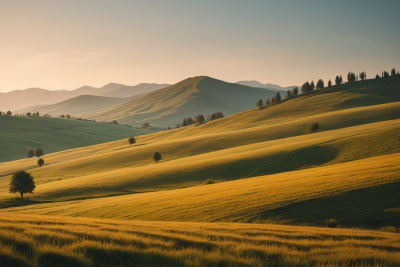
(277, 98)
(78, 119)
(200, 119)
(29, 114)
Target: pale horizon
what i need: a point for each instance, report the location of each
(66, 45)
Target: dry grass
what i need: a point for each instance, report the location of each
(29, 240)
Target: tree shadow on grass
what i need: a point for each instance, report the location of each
(372, 207)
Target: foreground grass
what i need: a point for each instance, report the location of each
(361, 193)
(29, 240)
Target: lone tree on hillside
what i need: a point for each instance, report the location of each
(320, 84)
(313, 128)
(295, 91)
(22, 182)
(145, 125)
(39, 152)
(30, 153)
(40, 162)
(393, 71)
(377, 76)
(131, 140)
(329, 83)
(156, 156)
(260, 103)
(199, 119)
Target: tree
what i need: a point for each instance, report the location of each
(1, 113)
(30, 153)
(312, 86)
(131, 140)
(62, 116)
(385, 74)
(260, 103)
(156, 156)
(277, 98)
(305, 88)
(289, 93)
(273, 100)
(112, 122)
(199, 119)
(393, 71)
(313, 128)
(267, 102)
(320, 84)
(377, 76)
(9, 113)
(295, 91)
(329, 83)
(28, 114)
(363, 76)
(68, 116)
(177, 126)
(39, 152)
(351, 77)
(184, 122)
(337, 80)
(40, 162)
(22, 182)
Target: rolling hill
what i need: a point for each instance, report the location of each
(19, 134)
(140, 89)
(190, 97)
(75, 106)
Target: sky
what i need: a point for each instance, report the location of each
(58, 44)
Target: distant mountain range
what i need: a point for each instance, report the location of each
(267, 85)
(33, 97)
(190, 97)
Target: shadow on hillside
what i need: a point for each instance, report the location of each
(370, 207)
(15, 203)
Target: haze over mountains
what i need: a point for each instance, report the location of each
(190, 97)
(267, 85)
(32, 97)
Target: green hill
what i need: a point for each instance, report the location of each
(18, 134)
(190, 97)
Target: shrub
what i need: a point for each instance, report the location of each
(114, 122)
(313, 128)
(377, 76)
(30, 153)
(199, 119)
(40, 162)
(131, 140)
(156, 156)
(210, 181)
(22, 182)
(39, 152)
(145, 125)
(260, 103)
(331, 223)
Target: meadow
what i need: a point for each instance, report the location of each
(29, 240)
(250, 189)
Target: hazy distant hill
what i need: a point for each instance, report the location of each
(190, 97)
(129, 91)
(267, 85)
(74, 106)
(22, 99)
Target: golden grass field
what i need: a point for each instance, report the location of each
(223, 191)
(30, 240)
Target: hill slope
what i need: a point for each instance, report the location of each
(190, 97)
(74, 106)
(140, 89)
(266, 86)
(18, 134)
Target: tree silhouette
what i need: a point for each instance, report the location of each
(305, 88)
(199, 119)
(385, 74)
(131, 140)
(156, 156)
(267, 102)
(22, 182)
(320, 84)
(313, 128)
(363, 76)
(277, 97)
(393, 71)
(177, 126)
(295, 91)
(289, 93)
(30, 153)
(351, 77)
(312, 86)
(145, 125)
(9, 113)
(40, 162)
(39, 152)
(329, 83)
(259, 103)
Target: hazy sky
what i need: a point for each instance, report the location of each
(66, 44)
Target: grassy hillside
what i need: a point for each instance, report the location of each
(190, 97)
(74, 106)
(54, 241)
(19, 134)
(359, 193)
(140, 89)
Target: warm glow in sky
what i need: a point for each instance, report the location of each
(68, 44)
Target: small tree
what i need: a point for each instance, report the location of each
(177, 126)
(114, 122)
(377, 76)
(278, 97)
(30, 153)
(312, 86)
(199, 119)
(9, 113)
(28, 114)
(385, 74)
(295, 91)
(267, 102)
(39, 152)
(62, 116)
(131, 140)
(22, 182)
(68, 117)
(320, 84)
(156, 156)
(393, 71)
(145, 125)
(329, 83)
(305, 88)
(313, 128)
(260, 103)
(40, 162)
(363, 76)
(289, 93)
